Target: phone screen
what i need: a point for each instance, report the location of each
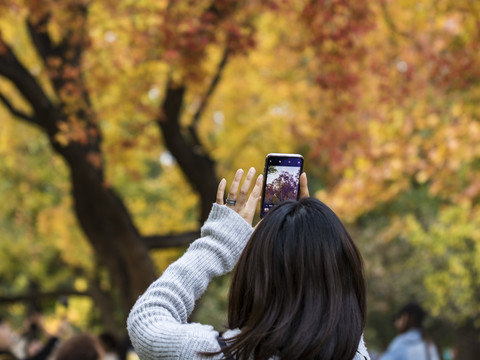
(282, 180)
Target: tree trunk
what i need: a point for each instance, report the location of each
(195, 163)
(468, 343)
(102, 215)
(109, 229)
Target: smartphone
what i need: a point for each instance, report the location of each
(281, 180)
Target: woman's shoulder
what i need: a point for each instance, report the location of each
(362, 353)
(228, 334)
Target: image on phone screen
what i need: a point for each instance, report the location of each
(282, 176)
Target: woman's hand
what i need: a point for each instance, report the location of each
(239, 200)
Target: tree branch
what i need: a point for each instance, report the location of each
(167, 241)
(17, 113)
(215, 80)
(194, 161)
(40, 37)
(212, 87)
(46, 295)
(389, 21)
(13, 70)
(71, 47)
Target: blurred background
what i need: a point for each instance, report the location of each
(119, 117)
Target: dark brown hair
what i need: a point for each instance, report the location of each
(298, 290)
(79, 347)
(415, 315)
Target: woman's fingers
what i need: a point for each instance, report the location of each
(238, 199)
(243, 193)
(248, 211)
(221, 191)
(303, 186)
(232, 193)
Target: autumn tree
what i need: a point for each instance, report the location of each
(59, 100)
(58, 62)
(380, 97)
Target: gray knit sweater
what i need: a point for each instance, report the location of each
(157, 323)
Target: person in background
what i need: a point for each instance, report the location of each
(35, 343)
(297, 292)
(109, 344)
(126, 350)
(80, 347)
(411, 343)
(36, 348)
(6, 341)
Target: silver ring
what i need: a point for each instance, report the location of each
(231, 202)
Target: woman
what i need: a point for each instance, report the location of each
(411, 343)
(82, 346)
(298, 290)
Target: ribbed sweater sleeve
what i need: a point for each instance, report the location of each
(157, 324)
